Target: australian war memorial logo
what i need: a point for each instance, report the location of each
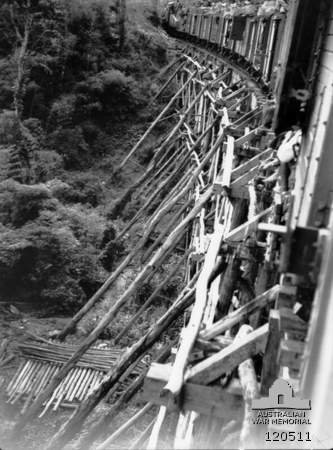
(281, 407)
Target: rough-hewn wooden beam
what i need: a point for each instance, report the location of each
(239, 187)
(176, 379)
(248, 165)
(240, 232)
(270, 368)
(213, 401)
(240, 314)
(247, 138)
(229, 358)
(248, 381)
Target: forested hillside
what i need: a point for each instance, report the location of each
(73, 97)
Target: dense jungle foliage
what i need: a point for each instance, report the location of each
(66, 89)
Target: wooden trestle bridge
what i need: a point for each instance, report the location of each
(203, 184)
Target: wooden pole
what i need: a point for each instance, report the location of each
(167, 230)
(147, 270)
(98, 428)
(160, 173)
(183, 118)
(229, 358)
(248, 380)
(168, 81)
(189, 185)
(171, 64)
(151, 298)
(241, 313)
(73, 426)
(174, 385)
(179, 186)
(270, 365)
(138, 443)
(179, 165)
(141, 181)
(70, 327)
(231, 274)
(125, 426)
(152, 126)
(153, 440)
(229, 280)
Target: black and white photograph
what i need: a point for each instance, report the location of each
(166, 224)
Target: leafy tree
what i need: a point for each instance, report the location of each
(48, 251)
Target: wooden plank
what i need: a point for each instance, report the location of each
(239, 187)
(270, 369)
(16, 379)
(175, 382)
(234, 94)
(292, 323)
(235, 317)
(286, 297)
(105, 444)
(250, 226)
(227, 359)
(227, 161)
(248, 165)
(213, 401)
(247, 138)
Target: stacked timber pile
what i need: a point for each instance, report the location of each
(40, 363)
(204, 185)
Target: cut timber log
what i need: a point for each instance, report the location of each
(153, 440)
(229, 358)
(73, 426)
(232, 272)
(180, 122)
(248, 380)
(239, 233)
(175, 382)
(224, 180)
(70, 327)
(139, 442)
(239, 187)
(163, 186)
(228, 285)
(167, 230)
(98, 427)
(270, 365)
(247, 138)
(154, 262)
(179, 196)
(240, 314)
(158, 118)
(211, 401)
(171, 64)
(291, 323)
(126, 197)
(152, 297)
(168, 81)
(250, 164)
(125, 427)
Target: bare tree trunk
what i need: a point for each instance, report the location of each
(121, 22)
(19, 88)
